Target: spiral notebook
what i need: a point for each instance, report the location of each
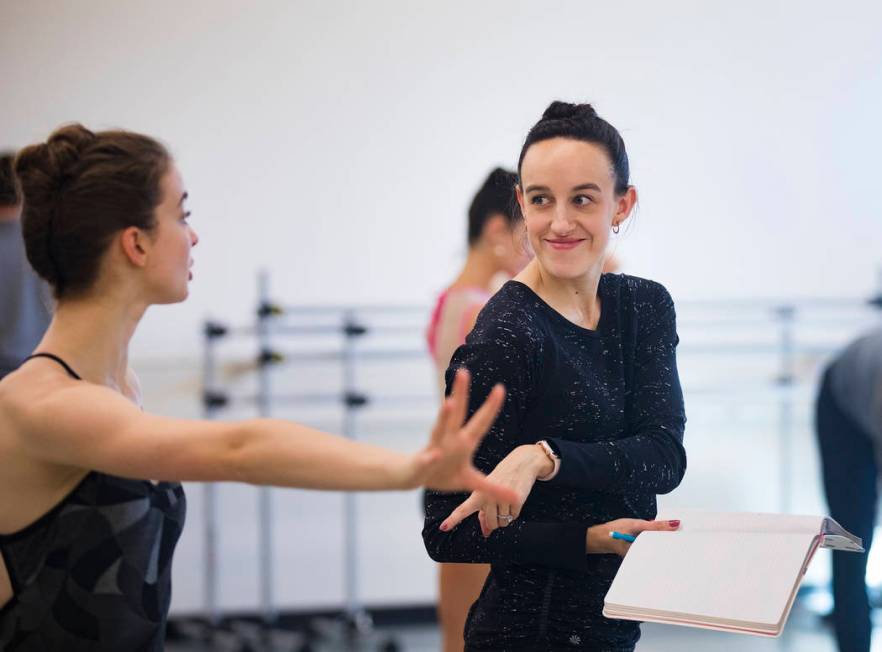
(736, 572)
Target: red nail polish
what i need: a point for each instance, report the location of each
(675, 523)
(443, 527)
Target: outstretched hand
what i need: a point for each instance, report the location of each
(446, 463)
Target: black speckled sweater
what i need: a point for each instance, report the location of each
(610, 401)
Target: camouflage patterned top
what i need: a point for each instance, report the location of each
(94, 573)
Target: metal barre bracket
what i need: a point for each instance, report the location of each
(354, 399)
(267, 309)
(268, 357)
(214, 399)
(214, 330)
(354, 330)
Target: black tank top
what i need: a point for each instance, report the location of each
(94, 573)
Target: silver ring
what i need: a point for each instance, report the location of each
(505, 518)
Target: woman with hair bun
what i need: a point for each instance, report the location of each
(593, 411)
(91, 505)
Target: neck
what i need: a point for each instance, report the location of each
(574, 298)
(479, 269)
(92, 335)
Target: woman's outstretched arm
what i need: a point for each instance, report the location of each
(88, 426)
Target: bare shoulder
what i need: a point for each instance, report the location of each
(24, 394)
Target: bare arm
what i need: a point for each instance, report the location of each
(92, 427)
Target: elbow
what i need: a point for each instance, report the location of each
(432, 542)
(675, 474)
(237, 456)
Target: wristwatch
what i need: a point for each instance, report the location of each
(553, 455)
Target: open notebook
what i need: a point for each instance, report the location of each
(736, 572)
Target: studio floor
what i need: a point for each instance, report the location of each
(805, 632)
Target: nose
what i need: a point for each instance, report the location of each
(561, 223)
(194, 237)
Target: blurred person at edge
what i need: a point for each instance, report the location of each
(24, 299)
(848, 425)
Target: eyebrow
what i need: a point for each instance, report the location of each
(183, 197)
(583, 186)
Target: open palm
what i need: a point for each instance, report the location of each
(446, 463)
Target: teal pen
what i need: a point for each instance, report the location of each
(622, 537)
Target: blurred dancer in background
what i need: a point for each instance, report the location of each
(496, 253)
(24, 299)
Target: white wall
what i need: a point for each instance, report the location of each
(337, 143)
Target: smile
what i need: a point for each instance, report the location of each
(564, 245)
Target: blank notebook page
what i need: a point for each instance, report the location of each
(741, 576)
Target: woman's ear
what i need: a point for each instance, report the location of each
(519, 195)
(135, 246)
(624, 205)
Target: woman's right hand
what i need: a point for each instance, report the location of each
(599, 542)
(446, 463)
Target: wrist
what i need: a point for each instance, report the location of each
(595, 538)
(407, 473)
(537, 461)
(553, 461)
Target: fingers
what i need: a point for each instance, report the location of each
(476, 481)
(489, 510)
(468, 507)
(483, 523)
(442, 423)
(662, 526)
(459, 398)
(484, 417)
(503, 514)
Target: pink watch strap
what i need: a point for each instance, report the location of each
(546, 448)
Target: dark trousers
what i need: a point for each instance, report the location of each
(848, 462)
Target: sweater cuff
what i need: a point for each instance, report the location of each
(584, 466)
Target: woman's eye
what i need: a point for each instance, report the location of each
(582, 200)
(539, 200)
(185, 216)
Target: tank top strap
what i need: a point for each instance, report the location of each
(52, 356)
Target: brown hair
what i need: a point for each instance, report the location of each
(10, 192)
(80, 188)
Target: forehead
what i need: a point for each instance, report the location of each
(566, 162)
(172, 185)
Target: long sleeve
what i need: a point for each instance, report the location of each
(493, 354)
(651, 456)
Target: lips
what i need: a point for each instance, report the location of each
(564, 245)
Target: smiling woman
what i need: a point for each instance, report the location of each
(589, 361)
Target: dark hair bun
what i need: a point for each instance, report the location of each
(56, 159)
(502, 178)
(565, 111)
(43, 169)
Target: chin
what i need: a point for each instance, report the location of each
(569, 271)
(176, 295)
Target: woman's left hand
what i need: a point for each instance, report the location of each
(517, 471)
(599, 541)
